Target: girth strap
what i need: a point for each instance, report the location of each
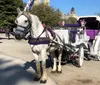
(36, 41)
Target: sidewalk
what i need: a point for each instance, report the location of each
(13, 72)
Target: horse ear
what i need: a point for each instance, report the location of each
(18, 10)
(26, 9)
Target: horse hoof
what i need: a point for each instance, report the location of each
(53, 72)
(43, 81)
(36, 79)
(59, 72)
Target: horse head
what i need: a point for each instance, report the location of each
(23, 22)
(26, 23)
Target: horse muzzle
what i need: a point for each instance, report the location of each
(19, 33)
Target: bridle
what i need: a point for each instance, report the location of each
(28, 27)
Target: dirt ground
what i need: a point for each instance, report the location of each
(88, 74)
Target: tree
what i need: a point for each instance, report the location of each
(47, 14)
(71, 20)
(8, 12)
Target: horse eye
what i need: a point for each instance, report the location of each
(26, 21)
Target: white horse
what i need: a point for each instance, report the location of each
(28, 23)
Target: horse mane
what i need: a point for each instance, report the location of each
(36, 21)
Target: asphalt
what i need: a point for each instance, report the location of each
(14, 71)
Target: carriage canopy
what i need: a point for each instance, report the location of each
(92, 22)
(92, 25)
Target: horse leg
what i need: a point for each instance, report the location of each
(44, 73)
(37, 70)
(59, 62)
(54, 63)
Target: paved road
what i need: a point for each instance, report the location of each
(13, 71)
(15, 58)
(18, 49)
(88, 74)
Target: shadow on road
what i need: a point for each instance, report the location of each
(14, 74)
(32, 64)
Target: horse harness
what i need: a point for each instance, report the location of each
(39, 39)
(43, 40)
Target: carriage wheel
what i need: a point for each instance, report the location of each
(81, 56)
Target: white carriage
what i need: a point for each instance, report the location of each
(92, 30)
(75, 41)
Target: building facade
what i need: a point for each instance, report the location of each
(46, 2)
(71, 14)
(36, 2)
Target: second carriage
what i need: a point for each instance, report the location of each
(84, 40)
(93, 31)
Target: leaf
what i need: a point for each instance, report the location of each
(8, 12)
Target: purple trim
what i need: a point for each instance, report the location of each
(42, 40)
(74, 34)
(72, 25)
(37, 43)
(91, 33)
(73, 31)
